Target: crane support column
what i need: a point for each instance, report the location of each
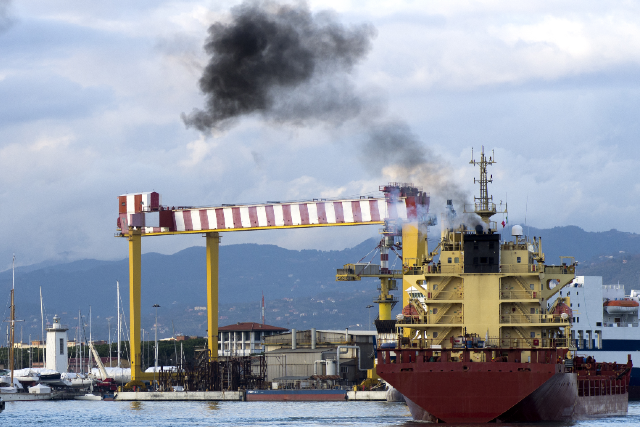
(213, 244)
(135, 256)
(385, 301)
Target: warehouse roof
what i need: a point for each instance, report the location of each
(251, 326)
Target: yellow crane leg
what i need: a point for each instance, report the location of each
(384, 311)
(384, 307)
(135, 256)
(213, 245)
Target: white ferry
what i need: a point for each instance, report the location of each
(605, 323)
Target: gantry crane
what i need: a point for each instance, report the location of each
(143, 214)
(392, 241)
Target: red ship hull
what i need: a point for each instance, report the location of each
(481, 392)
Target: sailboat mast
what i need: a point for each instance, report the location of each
(44, 353)
(80, 340)
(89, 363)
(13, 319)
(118, 296)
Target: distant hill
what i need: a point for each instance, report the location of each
(299, 286)
(583, 245)
(621, 268)
(177, 283)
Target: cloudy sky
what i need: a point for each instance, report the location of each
(91, 97)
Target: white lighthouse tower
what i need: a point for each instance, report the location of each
(57, 356)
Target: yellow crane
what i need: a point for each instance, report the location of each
(144, 215)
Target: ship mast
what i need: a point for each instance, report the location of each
(484, 206)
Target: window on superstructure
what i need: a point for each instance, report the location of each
(456, 260)
(449, 260)
(533, 334)
(531, 286)
(435, 311)
(435, 335)
(483, 260)
(518, 260)
(533, 310)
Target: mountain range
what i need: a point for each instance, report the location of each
(299, 286)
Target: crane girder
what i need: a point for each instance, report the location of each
(143, 214)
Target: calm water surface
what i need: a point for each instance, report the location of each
(79, 413)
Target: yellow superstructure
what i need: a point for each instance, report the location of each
(481, 287)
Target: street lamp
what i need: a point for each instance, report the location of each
(156, 348)
(369, 311)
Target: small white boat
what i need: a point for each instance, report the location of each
(40, 389)
(88, 396)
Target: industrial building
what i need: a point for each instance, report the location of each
(297, 358)
(245, 338)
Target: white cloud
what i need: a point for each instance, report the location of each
(101, 87)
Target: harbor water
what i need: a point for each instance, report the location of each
(81, 413)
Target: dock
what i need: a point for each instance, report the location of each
(180, 395)
(237, 396)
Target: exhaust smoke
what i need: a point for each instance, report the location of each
(293, 67)
(282, 62)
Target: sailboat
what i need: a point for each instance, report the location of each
(90, 395)
(10, 388)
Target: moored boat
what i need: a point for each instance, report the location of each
(479, 339)
(605, 323)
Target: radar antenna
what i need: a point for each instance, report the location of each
(484, 206)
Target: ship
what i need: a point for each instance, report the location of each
(605, 322)
(484, 335)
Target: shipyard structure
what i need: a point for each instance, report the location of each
(484, 334)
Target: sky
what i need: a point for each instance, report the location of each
(92, 97)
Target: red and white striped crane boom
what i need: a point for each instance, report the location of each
(143, 214)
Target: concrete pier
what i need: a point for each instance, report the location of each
(237, 396)
(180, 395)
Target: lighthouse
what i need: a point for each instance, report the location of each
(57, 356)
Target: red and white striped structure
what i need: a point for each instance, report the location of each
(315, 213)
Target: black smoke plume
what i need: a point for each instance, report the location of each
(5, 19)
(391, 147)
(283, 62)
(292, 66)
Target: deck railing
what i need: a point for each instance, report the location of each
(480, 343)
